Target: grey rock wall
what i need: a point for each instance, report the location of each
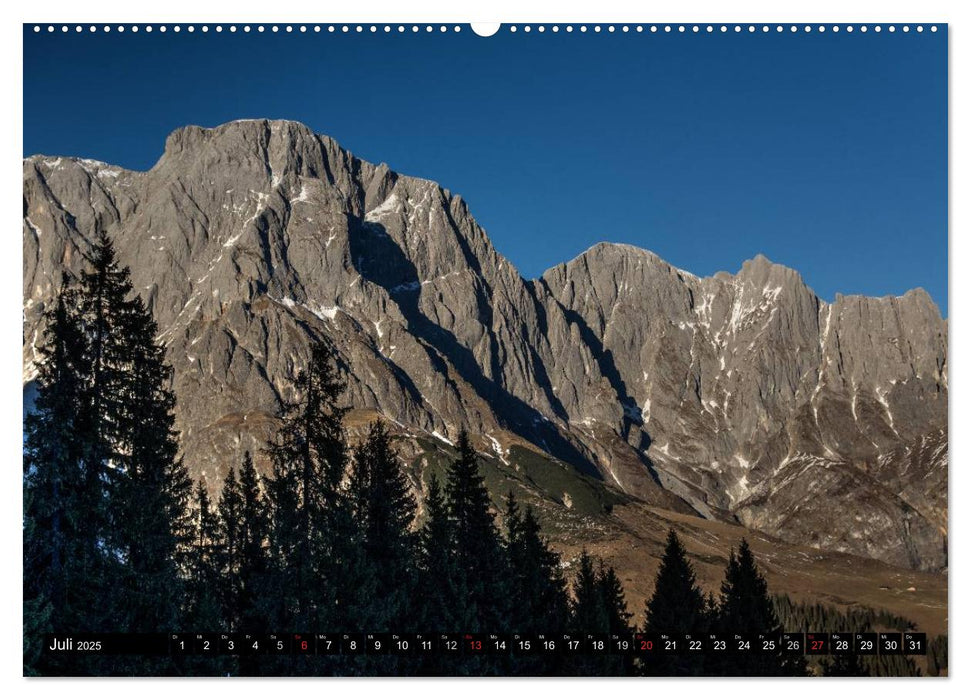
(736, 396)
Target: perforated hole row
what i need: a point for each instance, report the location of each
(720, 28)
(232, 28)
(528, 28)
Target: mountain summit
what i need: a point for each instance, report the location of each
(737, 397)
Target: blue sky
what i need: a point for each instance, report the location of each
(826, 152)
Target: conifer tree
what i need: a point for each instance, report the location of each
(476, 544)
(102, 446)
(612, 594)
(588, 614)
(384, 510)
(206, 582)
(63, 576)
(438, 593)
(745, 607)
(132, 448)
(599, 608)
(37, 598)
(252, 550)
(114, 422)
(535, 582)
(315, 547)
(618, 617)
(517, 575)
(536, 586)
(745, 603)
(287, 572)
(106, 307)
(677, 607)
(231, 526)
(37, 623)
(255, 602)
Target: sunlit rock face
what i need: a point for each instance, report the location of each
(738, 396)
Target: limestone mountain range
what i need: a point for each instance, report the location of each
(737, 397)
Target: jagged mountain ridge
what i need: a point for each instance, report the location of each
(736, 396)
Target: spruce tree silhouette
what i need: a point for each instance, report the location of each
(599, 608)
(384, 510)
(677, 607)
(117, 540)
(251, 613)
(133, 448)
(537, 587)
(535, 581)
(62, 570)
(203, 611)
(438, 593)
(437, 597)
(618, 617)
(206, 581)
(745, 608)
(253, 550)
(229, 513)
(588, 612)
(308, 526)
(476, 544)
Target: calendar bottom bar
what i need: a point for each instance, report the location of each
(467, 644)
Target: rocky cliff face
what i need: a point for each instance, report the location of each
(736, 396)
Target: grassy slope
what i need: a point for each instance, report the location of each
(579, 512)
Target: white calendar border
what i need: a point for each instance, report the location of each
(437, 11)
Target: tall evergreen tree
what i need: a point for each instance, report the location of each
(536, 587)
(101, 445)
(535, 581)
(253, 565)
(588, 614)
(287, 572)
(677, 607)
(618, 617)
(745, 607)
(315, 546)
(384, 510)
(206, 582)
(612, 594)
(106, 385)
(477, 546)
(745, 603)
(63, 575)
(254, 602)
(599, 608)
(230, 523)
(438, 592)
(38, 605)
(37, 623)
(132, 448)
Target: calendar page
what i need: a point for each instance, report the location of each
(548, 349)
